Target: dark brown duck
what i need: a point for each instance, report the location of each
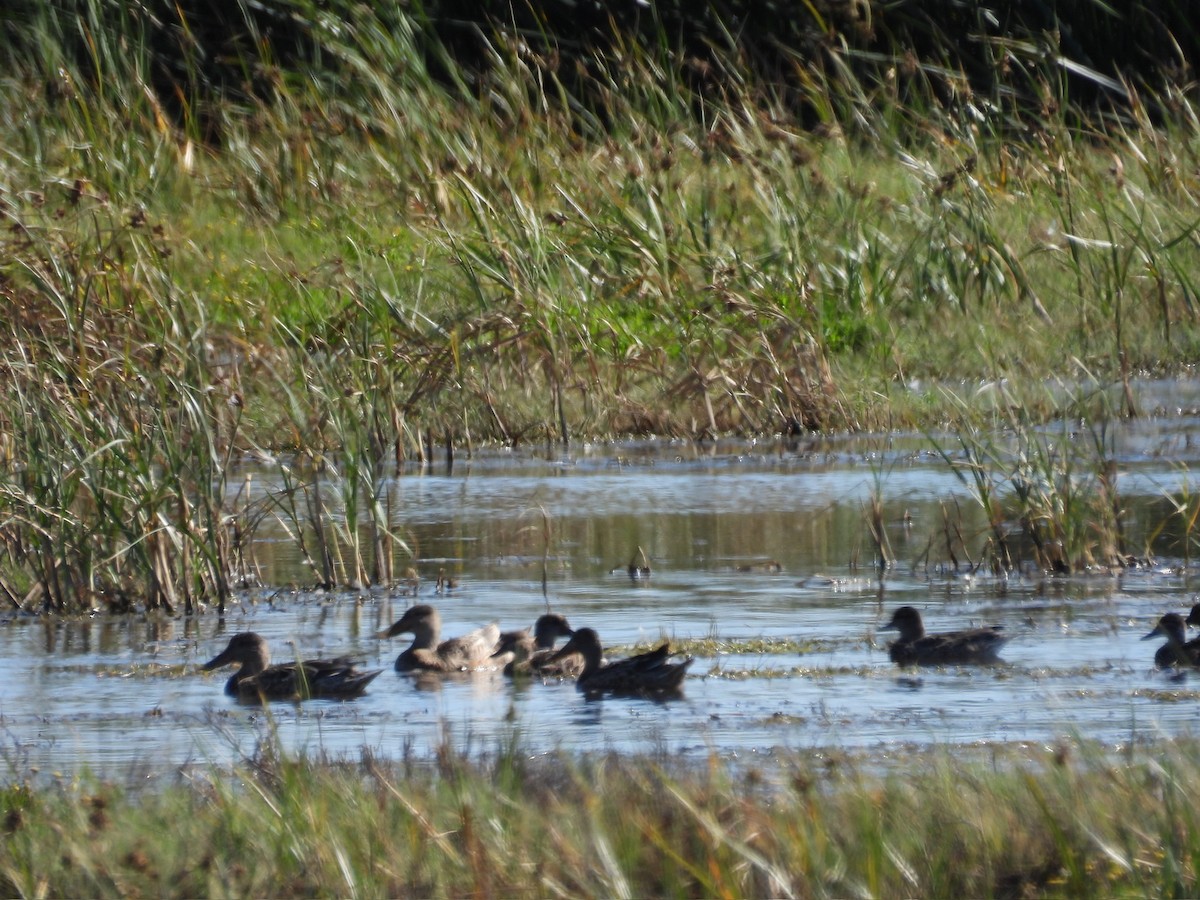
(976, 646)
(1178, 651)
(257, 679)
(647, 674)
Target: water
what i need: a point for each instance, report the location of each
(124, 696)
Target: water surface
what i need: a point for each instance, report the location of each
(125, 695)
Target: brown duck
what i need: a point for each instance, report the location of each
(528, 654)
(976, 646)
(1178, 651)
(647, 674)
(427, 653)
(257, 679)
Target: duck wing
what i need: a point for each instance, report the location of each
(979, 646)
(650, 660)
(648, 673)
(339, 677)
(471, 651)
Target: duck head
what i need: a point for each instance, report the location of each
(906, 620)
(421, 621)
(246, 648)
(548, 629)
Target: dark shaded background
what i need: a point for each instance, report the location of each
(217, 49)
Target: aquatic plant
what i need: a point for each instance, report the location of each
(1050, 490)
(120, 414)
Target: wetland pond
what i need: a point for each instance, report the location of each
(785, 660)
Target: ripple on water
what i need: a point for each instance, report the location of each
(760, 568)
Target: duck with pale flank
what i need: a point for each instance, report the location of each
(430, 654)
(1178, 651)
(975, 646)
(647, 674)
(528, 654)
(257, 679)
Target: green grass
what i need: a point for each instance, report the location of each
(1071, 819)
(357, 265)
(735, 273)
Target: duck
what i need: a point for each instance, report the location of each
(771, 567)
(647, 674)
(461, 654)
(411, 582)
(976, 646)
(1177, 651)
(528, 654)
(257, 679)
(639, 566)
(445, 582)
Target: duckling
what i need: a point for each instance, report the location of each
(1177, 651)
(461, 654)
(257, 679)
(976, 646)
(647, 674)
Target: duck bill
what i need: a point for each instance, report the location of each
(397, 628)
(566, 650)
(221, 659)
(1157, 632)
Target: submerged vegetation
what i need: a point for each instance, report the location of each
(1066, 821)
(362, 251)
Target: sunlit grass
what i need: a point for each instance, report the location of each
(1072, 817)
(339, 275)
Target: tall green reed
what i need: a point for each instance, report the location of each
(120, 415)
(1050, 491)
(660, 245)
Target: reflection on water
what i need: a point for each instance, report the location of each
(117, 695)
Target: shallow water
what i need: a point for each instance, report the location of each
(124, 696)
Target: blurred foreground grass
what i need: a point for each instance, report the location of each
(1067, 820)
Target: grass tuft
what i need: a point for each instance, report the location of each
(1075, 818)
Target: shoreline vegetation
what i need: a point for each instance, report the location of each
(332, 241)
(365, 250)
(1072, 819)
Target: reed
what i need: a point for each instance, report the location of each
(119, 417)
(1049, 492)
(339, 262)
